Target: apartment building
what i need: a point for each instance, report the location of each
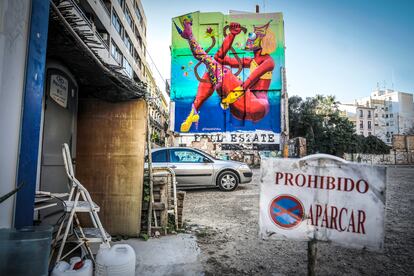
(362, 117)
(394, 112)
(158, 112)
(384, 113)
(120, 25)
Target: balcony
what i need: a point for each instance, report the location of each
(77, 43)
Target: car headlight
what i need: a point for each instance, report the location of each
(244, 167)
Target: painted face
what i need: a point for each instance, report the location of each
(254, 38)
(253, 42)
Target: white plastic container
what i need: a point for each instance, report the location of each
(119, 260)
(62, 268)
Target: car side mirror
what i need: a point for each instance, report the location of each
(206, 160)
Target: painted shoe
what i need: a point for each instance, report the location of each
(193, 117)
(224, 106)
(233, 96)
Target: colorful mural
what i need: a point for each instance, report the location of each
(226, 72)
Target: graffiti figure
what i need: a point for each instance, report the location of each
(248, 100)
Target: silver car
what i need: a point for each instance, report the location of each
(195, 168)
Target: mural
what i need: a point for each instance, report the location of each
(226, 72)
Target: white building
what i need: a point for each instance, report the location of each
(392, 111)
(362, 117)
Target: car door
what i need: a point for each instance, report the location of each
(191, 167)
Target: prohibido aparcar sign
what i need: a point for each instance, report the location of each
(323, 197)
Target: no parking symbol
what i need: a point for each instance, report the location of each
(286, 211)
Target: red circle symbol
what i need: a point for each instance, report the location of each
(286, 211)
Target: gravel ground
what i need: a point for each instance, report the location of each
(226, 225)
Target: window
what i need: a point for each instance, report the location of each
(386, 115)
(369, 124)
(185, 156)
(361, 113)
(128, 43)
(361, 124)
(376, 115)
(127, 67)
(369, 114)
(391, 115)
(117, 23)
(138, 13)
(369, 133)
(129, 18)
(121, 3)
(387, 124)
(137, 59)
(116, 53)
(362, 133)
(138, 38)
(159, 156)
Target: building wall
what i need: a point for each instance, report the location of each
(110, 160)
(14, 28)
(365, 124)
(393, 113)
(103, 12)
(158, 111)
(245, 114)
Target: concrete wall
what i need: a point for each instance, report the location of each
(403, 142)
(394, 158)
(110, 160)
(14, 26)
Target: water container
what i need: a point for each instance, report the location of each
(119, 260)
(62, 268)
(25, 251)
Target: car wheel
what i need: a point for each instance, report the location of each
(228, 181)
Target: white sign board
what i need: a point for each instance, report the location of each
(59, 90)
(324, 198)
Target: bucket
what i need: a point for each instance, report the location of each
(25, 251)
(76, 267)
(119, 260)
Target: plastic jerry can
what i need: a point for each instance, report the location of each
(76, 267)
(119, 260)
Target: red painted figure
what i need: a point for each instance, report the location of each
(248, 100)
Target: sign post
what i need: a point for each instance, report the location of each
(322, 198)
(312, 251)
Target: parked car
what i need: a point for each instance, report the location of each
(195, 168)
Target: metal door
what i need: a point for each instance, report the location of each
(59, 126)
(191, 168)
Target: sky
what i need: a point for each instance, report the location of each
(345, 48)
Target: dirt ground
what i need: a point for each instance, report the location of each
(226, 225)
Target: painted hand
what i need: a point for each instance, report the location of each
(235, 28)
(187, 32)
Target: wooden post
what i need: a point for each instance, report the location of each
(312, 251)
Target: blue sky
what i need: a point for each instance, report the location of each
(333, 47)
